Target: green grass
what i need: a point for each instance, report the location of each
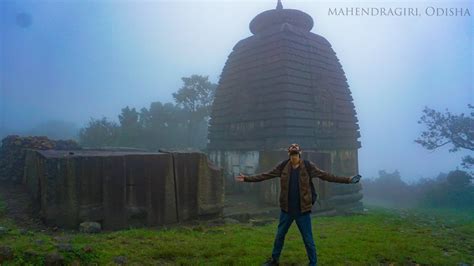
(432, 237)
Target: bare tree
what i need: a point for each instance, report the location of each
(448, 129)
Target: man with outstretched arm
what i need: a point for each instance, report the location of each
(296, 198)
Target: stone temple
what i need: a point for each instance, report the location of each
(284, 84)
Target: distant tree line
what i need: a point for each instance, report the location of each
(178, 125)
(452, 190)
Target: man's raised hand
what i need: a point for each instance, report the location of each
(240, 177)
(355, 179)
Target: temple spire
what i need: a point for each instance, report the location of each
(279, 5)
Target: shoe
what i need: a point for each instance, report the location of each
(270, 261)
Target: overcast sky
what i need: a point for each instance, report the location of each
(72, 60)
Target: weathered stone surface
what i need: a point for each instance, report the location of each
(12, 153)
(90, 227)
(199, 186)
(114, 197)
(118, 188)
(161, 195)
(231, 221)
(260, 222)
(283, 82)
(346, 198)
(340, 162)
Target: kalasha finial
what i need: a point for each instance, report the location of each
(279, 5)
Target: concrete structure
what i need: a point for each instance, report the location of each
(282, 85)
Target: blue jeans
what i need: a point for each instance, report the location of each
(303, 221)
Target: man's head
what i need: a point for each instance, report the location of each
(294, 150)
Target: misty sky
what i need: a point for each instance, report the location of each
(79, 59)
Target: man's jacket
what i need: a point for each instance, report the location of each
(305, 189)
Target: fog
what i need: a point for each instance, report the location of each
(72, 60)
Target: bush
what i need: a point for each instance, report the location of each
(459, 178)
(456, 192)
(453, 190)
(389, 188)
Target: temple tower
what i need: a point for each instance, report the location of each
(284, 84)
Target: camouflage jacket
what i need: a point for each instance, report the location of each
(304, 185)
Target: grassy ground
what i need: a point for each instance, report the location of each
(431, 237)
